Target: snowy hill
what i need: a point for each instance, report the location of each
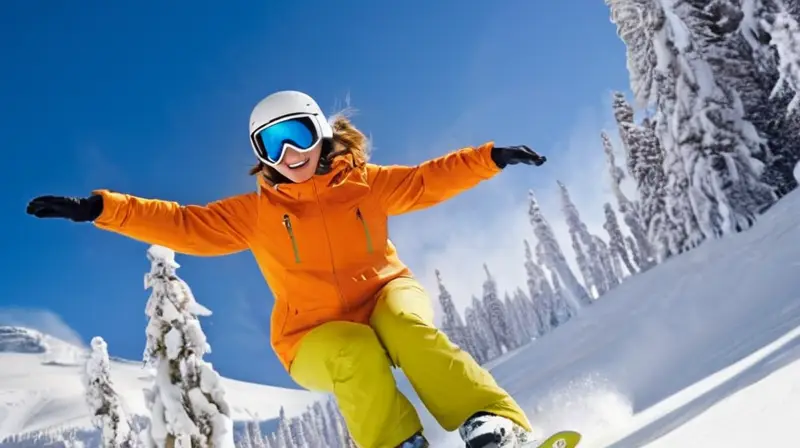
(41, 389)
(700, 351)
(664, 360)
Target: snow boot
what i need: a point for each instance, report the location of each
(415, 441)
(485, 430)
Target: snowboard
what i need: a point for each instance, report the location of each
(561, 439)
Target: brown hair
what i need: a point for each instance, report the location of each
(348, 142)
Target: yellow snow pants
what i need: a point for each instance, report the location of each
(353, 362)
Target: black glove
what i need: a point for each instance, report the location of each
(75, 209)
(512, 155)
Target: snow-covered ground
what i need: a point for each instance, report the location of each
(700, 351)
(41, 388)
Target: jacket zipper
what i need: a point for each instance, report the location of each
(287, 222)
(330, 248)
(366, 229)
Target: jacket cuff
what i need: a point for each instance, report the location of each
(113, 215)
(488, 166)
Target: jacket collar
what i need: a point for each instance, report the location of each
(340, 172)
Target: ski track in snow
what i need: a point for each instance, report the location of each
(706, 339)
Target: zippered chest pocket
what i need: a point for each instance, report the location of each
(287, 224)
(299, 241)
(367, 234)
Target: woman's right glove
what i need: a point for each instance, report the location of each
(75, 209)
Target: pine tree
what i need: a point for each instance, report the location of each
(256, 438)
(473, 325)
(702, 127)
(562, 311)
(313, 435)
(586, 253)
(540, 291)
(770, 31)
(605, 263)
(517, 329)
(616, 239)
(187, 402)
(268, 442)
(552, 256)
(642, 26)
(337, 424)
(322, 425)
(528, 313)
(103, 400)
(452, 325)
(496, 317)
(785, 33)
(720, 147)
(245, 440)
(628, 208)
(484, 329)
(646, 166)
(298, 435)
(634, 251)
(284, 432)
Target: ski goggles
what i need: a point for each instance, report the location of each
(270, 142)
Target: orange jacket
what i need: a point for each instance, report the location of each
(322, 245)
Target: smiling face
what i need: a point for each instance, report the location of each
(299, 167)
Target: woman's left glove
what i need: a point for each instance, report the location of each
(512, 155)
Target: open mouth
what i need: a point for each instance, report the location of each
(299, 164)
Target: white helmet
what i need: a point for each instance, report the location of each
(286, 103)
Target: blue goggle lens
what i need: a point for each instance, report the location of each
(300, 132)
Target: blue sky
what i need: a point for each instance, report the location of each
(153, 100)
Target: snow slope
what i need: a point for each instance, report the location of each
(700, 351)
(41, 387)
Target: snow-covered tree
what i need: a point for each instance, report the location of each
(483, 327)
(712, 150)
(642, 26)
(719, 146)
(646, 167)
(298, 434)
(552, 256)
(518, 331)
(528, 314)
(322, 424)
(497, 317)
(104, 402)
(253, 433)
(284, 432)
(480, 344)
(615, 238)
(785, 33)
(246, 440)
(313, 434)
(337, 424)
(628, 208)
(187, 402)
(562, 310)
(540, 291)
(770, 28)
(634, 251)
(452, 325)
(586, 253)
(605, 263)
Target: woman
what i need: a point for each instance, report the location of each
(346, 308)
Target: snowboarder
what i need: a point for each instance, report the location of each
(346, 307)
